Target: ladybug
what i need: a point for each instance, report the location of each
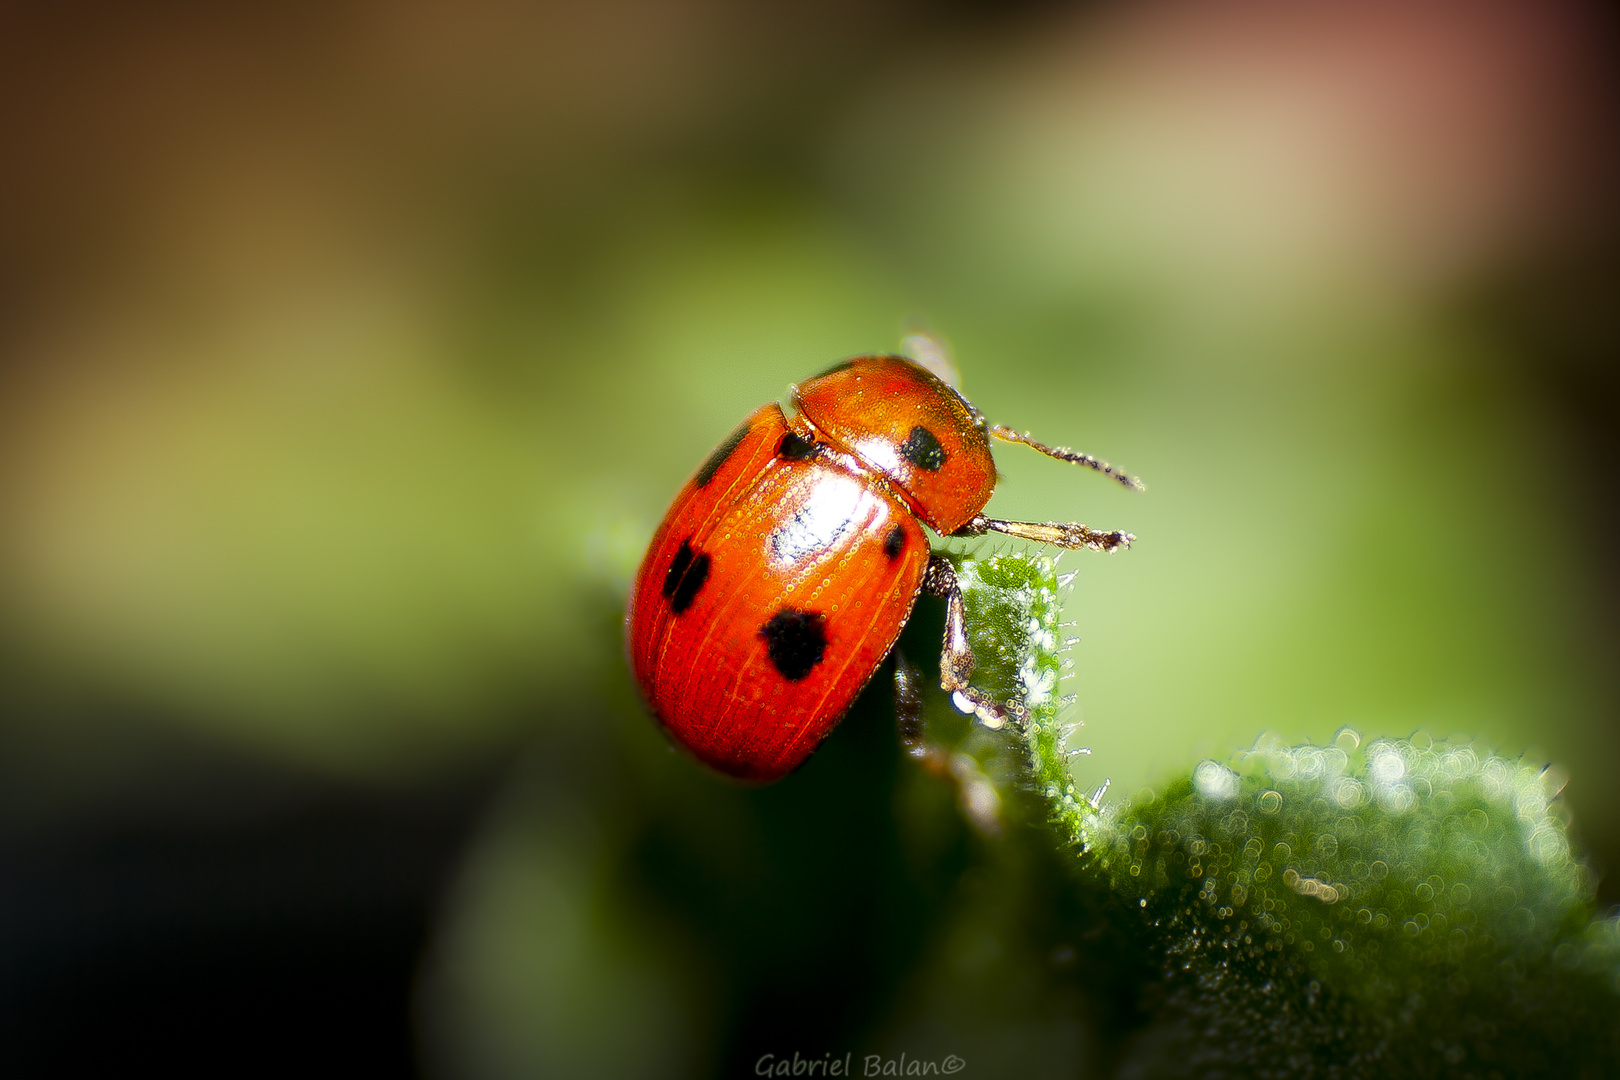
(789, 563)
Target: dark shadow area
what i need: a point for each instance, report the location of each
(286, 945)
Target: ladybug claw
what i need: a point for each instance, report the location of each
(991, 713)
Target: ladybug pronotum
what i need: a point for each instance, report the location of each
(789, 563)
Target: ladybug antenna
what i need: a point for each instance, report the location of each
(1063, 453)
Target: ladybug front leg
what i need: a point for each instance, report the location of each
(956, 657)
(1069, 534)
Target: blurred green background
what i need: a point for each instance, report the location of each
(353, 351)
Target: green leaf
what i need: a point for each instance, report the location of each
(1393, 907)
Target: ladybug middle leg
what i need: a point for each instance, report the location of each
(956, 657)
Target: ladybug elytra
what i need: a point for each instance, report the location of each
(787, 566)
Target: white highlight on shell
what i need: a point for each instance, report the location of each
(829, 511)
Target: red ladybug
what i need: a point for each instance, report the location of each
(788, 564)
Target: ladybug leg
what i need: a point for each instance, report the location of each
(1063, 453)
(908, 704)
(1068, 534)
(974, 793)
(956, 657)
(908, 715)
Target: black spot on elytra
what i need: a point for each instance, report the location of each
(718, 458)
(894, 543)
(687, 573)
(795, 641)
(796, 447)
(922, 449)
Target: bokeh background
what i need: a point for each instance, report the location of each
(350, 352)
